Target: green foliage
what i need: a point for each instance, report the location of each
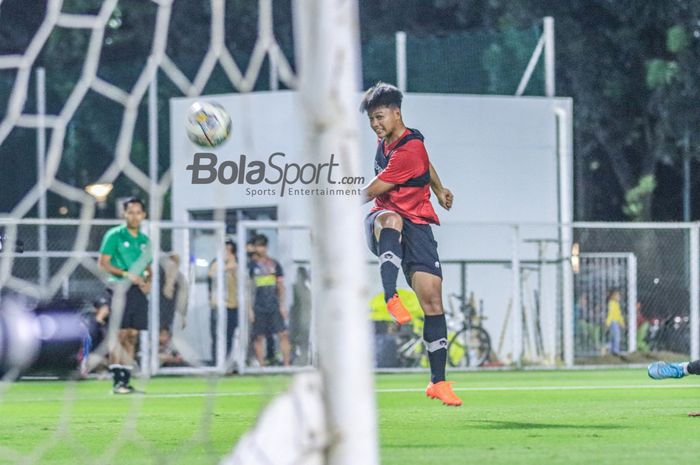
(637, 198)
(632, 69)
(677, 39)
(660, 72)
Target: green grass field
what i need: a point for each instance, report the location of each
(553, 417)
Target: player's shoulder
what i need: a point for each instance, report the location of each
(144, 237)
(411, 149)
(114, 231)
(413, 144)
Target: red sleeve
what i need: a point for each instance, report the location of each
(405, 163)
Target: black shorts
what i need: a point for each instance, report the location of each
(135, 315)
(418, 245)
(267, 323)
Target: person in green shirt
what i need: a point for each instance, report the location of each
(125, 255)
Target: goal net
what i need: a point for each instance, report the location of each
(88, 84)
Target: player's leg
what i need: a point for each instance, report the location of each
(257, 334)
(259, 348)
(120, 357)
(422, 270)
(270, 347)
(615, 338)
(386, 228)
(213, 317)
(129, 337)
(285, 347)
(663, 370)
(279, 327)
(136, 319)
(428, 288)
(119, 363)
(231, 325)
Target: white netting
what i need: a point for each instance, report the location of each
(266, 46)
(328, 53)
(73, 268)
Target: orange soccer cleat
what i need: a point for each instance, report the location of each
(443, 391)
(397, 310)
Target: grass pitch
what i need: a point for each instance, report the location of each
(554, 417)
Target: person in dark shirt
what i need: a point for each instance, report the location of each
(95, 327)
(268, 312)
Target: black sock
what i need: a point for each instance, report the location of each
(694, 367)
(126, 375)
(389, 260)
(435, 337)
(117, 375)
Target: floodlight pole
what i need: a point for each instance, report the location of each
(40, 172)
(153, 203)
(549, 75)
(401, 60)
(694, 291)
(151, 352)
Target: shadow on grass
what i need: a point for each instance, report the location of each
(516, 425)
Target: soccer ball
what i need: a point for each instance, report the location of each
(208, 124)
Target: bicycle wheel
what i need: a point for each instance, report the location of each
(469, 347)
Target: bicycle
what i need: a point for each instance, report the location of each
(469, 345)
(409, 347)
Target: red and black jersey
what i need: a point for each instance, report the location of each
(405, 163)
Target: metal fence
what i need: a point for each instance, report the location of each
(509, 280)
(469, 62)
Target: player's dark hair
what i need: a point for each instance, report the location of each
(233, 245)
(131, 200)
(381, 95)
(260, 239)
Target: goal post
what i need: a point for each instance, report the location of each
(327, 47)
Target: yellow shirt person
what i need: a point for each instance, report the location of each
(614, 310)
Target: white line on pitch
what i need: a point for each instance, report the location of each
(550, 388)
(380, 391)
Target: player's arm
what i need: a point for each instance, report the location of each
(147, 282)
(281, 292)
(443, 194)
(251, 296)
(375, 188)
(105, 264)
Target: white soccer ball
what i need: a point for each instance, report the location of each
(208, 124)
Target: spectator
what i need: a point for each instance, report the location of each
(173, 296)
(268, 312)
(300, 316)
(614, 321)
(167, 353)
(230, 298)
(95, 325)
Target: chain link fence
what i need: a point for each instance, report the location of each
(469, 62)
(631, 301)
(647, 274)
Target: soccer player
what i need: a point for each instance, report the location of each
(126, 256)
(230, 298)
(95, 330)
(398, 226)
(663, 370)
(268, 312)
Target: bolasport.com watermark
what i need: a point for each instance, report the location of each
(275, 176)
